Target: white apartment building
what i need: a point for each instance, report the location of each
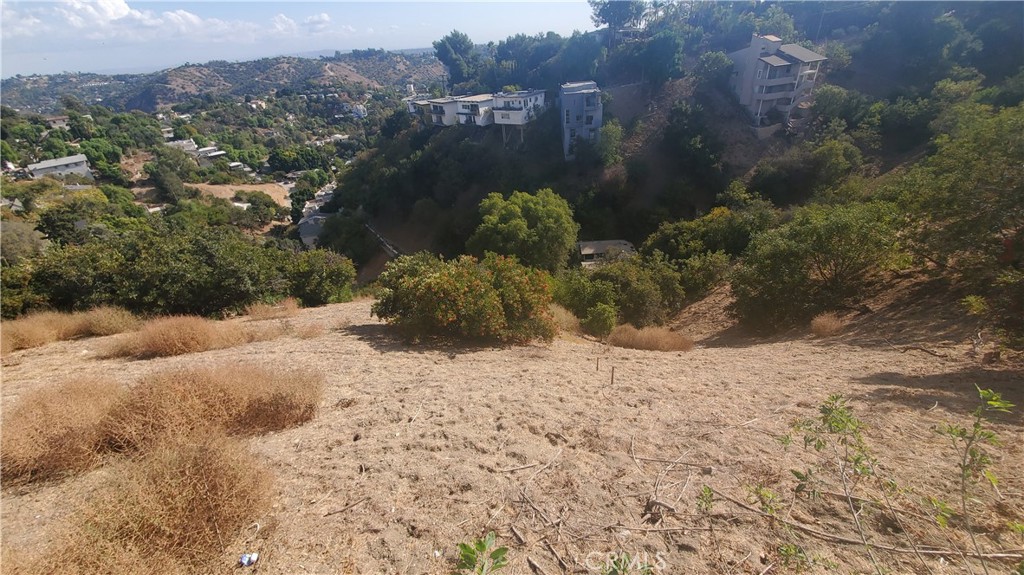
(443, 111)
(475, 110)
(517, 108)
(769, 75)
(580, 114)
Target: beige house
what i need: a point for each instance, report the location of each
(769, 75)
(77, 165)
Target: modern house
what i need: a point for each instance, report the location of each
(77, 165)
(580, 115)
(57, 122)
(595, 253)
(517, 108)
(769, 75)
(475, 110)
(443, 111)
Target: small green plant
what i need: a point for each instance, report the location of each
(705, 500)
(766, 499)
(481, 557)
(793, 556)
(974, 459)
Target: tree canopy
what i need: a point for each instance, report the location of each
(536, 228)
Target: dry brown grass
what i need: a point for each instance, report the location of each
(178, 335)
(827, 324)
(237, 399)
(288, 307)
(173, 510)
(649, 338)
(310, 331)
(565, 320)
(41, 328)
(56, 430)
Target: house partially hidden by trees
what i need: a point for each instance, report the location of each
(595, 253)
(580, 115)
(774, 79)
(504, 108)
(77, 165)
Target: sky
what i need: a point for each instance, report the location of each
(138, 36)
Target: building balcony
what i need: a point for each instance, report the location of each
(775, 81)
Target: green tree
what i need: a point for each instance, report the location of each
(319, 277)
(609, 143)
(617, 13)
(536, 228)
(455, 51)
(713, 70)
(820, 259)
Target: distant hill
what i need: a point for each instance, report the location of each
(147, 92)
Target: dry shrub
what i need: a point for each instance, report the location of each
(32, 330)
(41, 328)
(56, 430)
(288, 307)
(178, 335)
(565, 320)
(826, 324)
(177, 507)
(106, 320)
(238, 399)
(650, 338)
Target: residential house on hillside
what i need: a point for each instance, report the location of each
(771, 76)
(77, 165)
(581, 114)
(517, 108)
(443, 111)
(595, 253)
(55, 122)
(188, 145)
(475, 110)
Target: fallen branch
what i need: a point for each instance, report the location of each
(907, 348)
(705, 469)
(347, 507)
(1003, 554)
(551, 548)
(534, 566)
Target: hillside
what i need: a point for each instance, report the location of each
(573, 450)
(147, 92)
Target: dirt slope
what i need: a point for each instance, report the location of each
(439, 445)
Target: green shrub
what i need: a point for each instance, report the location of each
(820, 259)
(648, 289)
(319, 277)
(600, 320)
(493, 300)
(576, 291)
(702, 272)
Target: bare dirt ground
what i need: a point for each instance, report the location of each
(276, 191)
(572, 450)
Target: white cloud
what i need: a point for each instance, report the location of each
(349, 29)
(284, 25)
(318, 23)
(116, 20)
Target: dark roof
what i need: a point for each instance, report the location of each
(775, 61)
(800, 53)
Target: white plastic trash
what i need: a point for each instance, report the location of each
(248, 559)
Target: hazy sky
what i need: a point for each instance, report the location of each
(110, 35)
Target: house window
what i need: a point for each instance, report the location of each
(567, 116)
(579, 117)
(572, 133)
(590, 120)
(759, 73)
(504, 116)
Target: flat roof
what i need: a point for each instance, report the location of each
(772, 38)
(518, 93)
(800, 53)
(476, 98)
(775, 61)
(602, 246)
(57, 162)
